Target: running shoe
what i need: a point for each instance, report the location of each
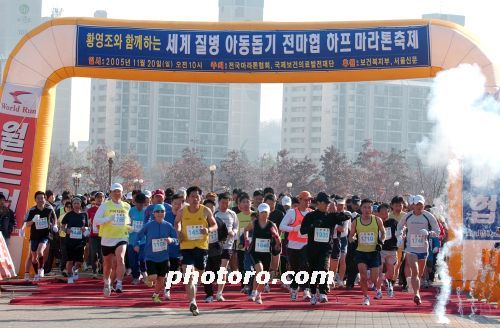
(107, 290)
(390, 291)
(26, 277)
(119, 288)
(366, 301)
(378, 296)
(323, 298)
(293, 295)
(209, 299)
(314, 299)
(71, 280)
(167, 295)
(194, 309)
(252, 296)
(220, 298)
(156, 299)
(41, 273)
(307, 294)
(267, 288)
(258, 299)
(37, 278)
(417, 300)
(136, 281)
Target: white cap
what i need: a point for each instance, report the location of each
(418, 199)
(410, 200)
(148, 193)
(116, 186)
(129, 196)
(286, 201)
(264, 208)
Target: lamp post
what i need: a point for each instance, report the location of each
(212, 173)
(396, 185)
(111, 154)
(138, 184)
(76, 181)
(289, 186)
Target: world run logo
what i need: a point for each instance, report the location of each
(20, 102)
(17, 94)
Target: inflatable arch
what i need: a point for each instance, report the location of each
(246, 52)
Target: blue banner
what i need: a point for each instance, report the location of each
(480, 204)
(253, 51)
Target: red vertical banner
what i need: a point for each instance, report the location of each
(18, 118)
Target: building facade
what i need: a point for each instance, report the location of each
(392, 114)
(157, 121)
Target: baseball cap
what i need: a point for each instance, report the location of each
(129, 196)
(340, 201)
(148, 193)
(305, 195)
(116, 186)
(286, 201)
(99, 193)
(159, 192)
(323, 198)
(356, 199)
(264, 208)
(418, 199)
(159, 207)
(140, 198)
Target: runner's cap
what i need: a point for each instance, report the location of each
(116, 186)
(323, 198)
(286, 201)
(159, 207)
(148, 193)
(305, 195)
(418, 199)
(264, 208)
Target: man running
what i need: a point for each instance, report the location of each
(159, 234)
(319, 226)
(136, 260)
(419, 225)
(389, 256)
(193, 225)
(297, 253)
(370, 233)
(232, 223)
(114, 221)
(95, 240)
(75, 224)
(40, 219)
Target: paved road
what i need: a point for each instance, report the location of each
(54, 317)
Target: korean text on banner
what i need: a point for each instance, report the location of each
(7, 269)
(18, 116)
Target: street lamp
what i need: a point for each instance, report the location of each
(212, 169)
(76, 181)
(138, 184)
(396, 185)
(289, 186)
(111, 154)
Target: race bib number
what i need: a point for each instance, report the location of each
(213, 237)
(367, 238)
(388, 233)
(137, 225)
(321, 235)
(194, 232)
(417, 240)
(119, 219)
(41, 223)
(262, 245)
(159, 245)
(76, 233)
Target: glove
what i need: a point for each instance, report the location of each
(296, 228)
(86, 232)
(435, 250)
(55, 229)
(400, 242)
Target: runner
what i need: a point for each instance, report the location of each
(263, 231)
(244, 218)
(419, 224)
(297, 253)
(397, 213)
(75, 224)
(232, 223)
(136, 260)
(159, 234)
(193, 225)
(174, 252)
(341, 208)
(319, 226)
(40, 219)
(95, 254)
(114, 221)
(370, 233)
(388, 255)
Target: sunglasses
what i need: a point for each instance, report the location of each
(160, 211)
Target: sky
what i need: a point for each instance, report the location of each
(480, 18)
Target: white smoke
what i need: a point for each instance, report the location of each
(467, 127)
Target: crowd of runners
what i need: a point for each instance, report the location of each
(150, 234)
